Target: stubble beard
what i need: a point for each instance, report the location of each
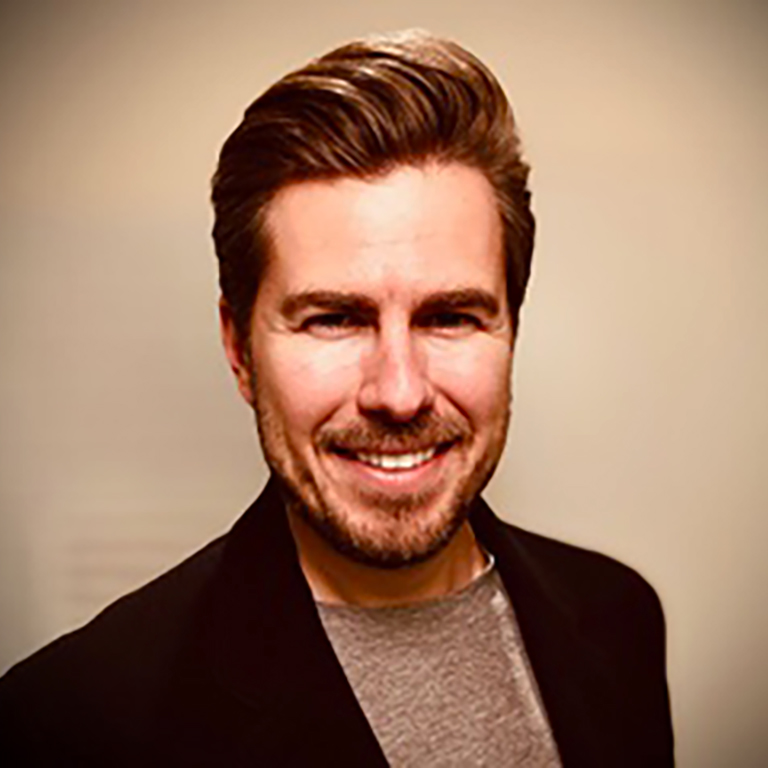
(398, 532)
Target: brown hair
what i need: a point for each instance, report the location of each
(360, 111)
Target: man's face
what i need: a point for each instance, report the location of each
(381, 349)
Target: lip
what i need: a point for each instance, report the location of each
(422, 477)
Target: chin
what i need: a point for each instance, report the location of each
(385, 538)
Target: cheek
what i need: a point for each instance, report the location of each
(308, 381)
(475, 377)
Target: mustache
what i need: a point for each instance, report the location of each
(394, 437)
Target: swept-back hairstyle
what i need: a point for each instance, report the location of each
(360, 111)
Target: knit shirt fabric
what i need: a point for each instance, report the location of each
(445, 682)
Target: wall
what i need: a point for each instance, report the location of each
(640, 424)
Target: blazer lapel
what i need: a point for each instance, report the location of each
(574, 682)
(262, 684)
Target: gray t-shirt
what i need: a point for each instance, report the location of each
(445, 682)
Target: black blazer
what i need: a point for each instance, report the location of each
(223, 661)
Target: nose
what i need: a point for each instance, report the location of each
(395, 385)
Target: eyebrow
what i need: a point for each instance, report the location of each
(457, 299)
(461, 299)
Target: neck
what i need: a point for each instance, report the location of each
(336, 579)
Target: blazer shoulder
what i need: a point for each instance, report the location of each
(592, 583)
(147, 613)
(114, 665)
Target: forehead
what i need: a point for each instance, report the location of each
(414, 230)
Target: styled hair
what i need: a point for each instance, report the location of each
(360, 111)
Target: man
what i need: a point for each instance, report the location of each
(374, 234)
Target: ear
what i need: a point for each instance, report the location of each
(237, 352)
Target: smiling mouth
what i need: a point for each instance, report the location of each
(394, 462)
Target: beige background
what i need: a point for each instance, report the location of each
(641, 426)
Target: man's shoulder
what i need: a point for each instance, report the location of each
(148, 614)
(116, 662)
(569, 561)
(589, 584)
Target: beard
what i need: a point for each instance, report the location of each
(376, 528)
(413, 542)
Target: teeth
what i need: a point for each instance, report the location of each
(398, 461)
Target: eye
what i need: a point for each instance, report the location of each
(332, 323)
(451, 321)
